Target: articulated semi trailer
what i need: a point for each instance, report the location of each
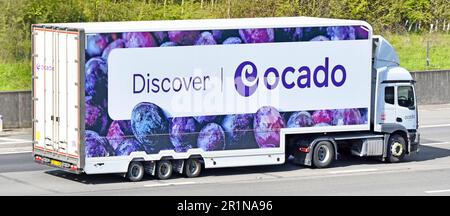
(164, 97)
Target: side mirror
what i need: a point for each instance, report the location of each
(412, 107)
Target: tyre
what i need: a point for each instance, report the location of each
(135, 171)
(396, 148)
(192, 168)
(323, 154)
(164, 169)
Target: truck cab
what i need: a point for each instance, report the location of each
(396, 105)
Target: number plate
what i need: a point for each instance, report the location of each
(56, 163)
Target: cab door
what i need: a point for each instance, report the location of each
(406, 113)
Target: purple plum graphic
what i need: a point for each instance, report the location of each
(96, 118)
(300, 119)
(239, 132)
(168, 44)
(120, 43)
(183, 133)
(288, 34)
(139, 39)
(95, 44)
(205, 119)
(161, 37)
(206, 38)
(267, 124)
(262, 35)
(127, 146)
(320, 38)
(211, 138)
(346, 117)
(119, 131)
(341, 33)
(96, 81)
(232, 40)
(150, 127)
(322, 116)
(97, 146)
(184, 37)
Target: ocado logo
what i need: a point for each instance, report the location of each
(246, 78)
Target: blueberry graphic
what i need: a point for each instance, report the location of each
(211, 138)
(183, 133)
(150, 127)
(97, 146)
(267, 124)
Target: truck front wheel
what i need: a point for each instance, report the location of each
(192, 168)
(164, 169)
(323, 154)
(396, 148)
(135, 171)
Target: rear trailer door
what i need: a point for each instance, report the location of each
(56, 97)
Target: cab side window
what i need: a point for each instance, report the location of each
(389, 95)
(405, 96)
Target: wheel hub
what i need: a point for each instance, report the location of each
(396, 149)
(135, 171)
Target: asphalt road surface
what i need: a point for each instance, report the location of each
(425, 173)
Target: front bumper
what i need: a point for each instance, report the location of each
(414, 142)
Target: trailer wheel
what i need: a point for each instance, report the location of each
(164, 169)
(135, 171)
(396, 148)
(192, 168)
(323, 154)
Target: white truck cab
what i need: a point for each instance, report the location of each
(396, 106)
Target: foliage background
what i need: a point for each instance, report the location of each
(394, 18)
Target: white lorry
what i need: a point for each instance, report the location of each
(159, 97)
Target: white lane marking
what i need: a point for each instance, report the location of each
(169, 184)
(353, 171)
(434, 126)
(14, 152)
(5, 143)
(14, 140)
(438, 191)
(436, 143)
